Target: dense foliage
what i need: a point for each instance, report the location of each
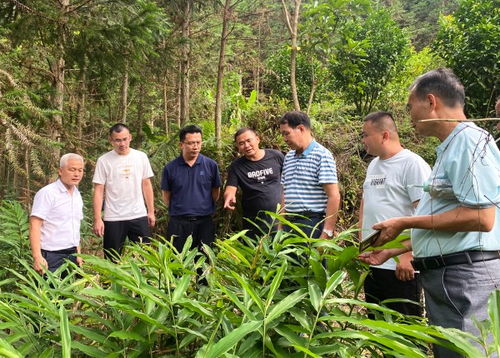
(276, 297)
(69, 69)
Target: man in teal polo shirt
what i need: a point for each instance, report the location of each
(309, 178)
(456, 228)
(190, 186)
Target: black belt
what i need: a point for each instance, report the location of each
(69, 251)
(457, 258)
(191, 218)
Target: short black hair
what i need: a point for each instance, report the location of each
(296, 118)
(117, 128)
(382, 120)
(192, 128)
(243, 130)
(443, 83)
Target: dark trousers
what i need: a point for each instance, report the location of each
(201, 228)
(383, 284)
(258, 225)
(56, 258)
(115, 233)
(308, 223)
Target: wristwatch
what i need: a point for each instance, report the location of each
(328, 233)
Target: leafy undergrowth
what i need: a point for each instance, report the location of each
(276, 297)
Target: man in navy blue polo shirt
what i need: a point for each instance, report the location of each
(190, 186)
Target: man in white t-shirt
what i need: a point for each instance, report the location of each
(392, 188)
(122, 180)
(55, 218)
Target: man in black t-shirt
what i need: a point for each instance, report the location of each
(258, 174)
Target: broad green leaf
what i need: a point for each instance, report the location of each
(65, 333)
(227, 342)
(334, 280)
(6, 350)
(181, 288)
(275, 284)
(128, 335)
(314, 295)
(494, 313)
(284, 305)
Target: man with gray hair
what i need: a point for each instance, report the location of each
(55, 218)
(456, 228)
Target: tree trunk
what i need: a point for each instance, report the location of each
(165, 104)
(82, 102)
(292, 21)
(185, 63)
(220, 74)
(124, 97)
(57, 70)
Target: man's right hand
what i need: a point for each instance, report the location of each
(99, 227)
(376, 257)
(230, 203)
(40, 264)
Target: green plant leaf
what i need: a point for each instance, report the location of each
(227, 342)
(284, 305)
(65, 333)
(314, 295)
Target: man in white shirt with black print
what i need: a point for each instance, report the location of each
(55, 218)
(393, 187)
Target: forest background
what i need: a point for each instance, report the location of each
(70, 69)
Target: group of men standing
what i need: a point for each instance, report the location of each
(455, 238)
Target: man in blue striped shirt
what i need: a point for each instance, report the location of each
(309, 178)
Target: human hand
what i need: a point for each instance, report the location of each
(99, 227)
(389, 230)
(230, 202)
(40, 264)
(79, 261)
(151, 219)
(404, 269)
(376, 257)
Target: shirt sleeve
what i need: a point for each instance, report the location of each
(327, 171)
(417, 172)
(474, 174)
(165, 180)
(216, 182)
(232, 178)
(42, 204)
(99, 173)
(147, 170)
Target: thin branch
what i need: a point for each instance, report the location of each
(458, 120)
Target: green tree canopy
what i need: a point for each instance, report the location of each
(469, 42)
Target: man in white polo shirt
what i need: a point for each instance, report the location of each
(55, 218)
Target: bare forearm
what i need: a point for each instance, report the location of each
(97, 200)
(460, 219)
(332, 210)
(147, 190)
(35, 235)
